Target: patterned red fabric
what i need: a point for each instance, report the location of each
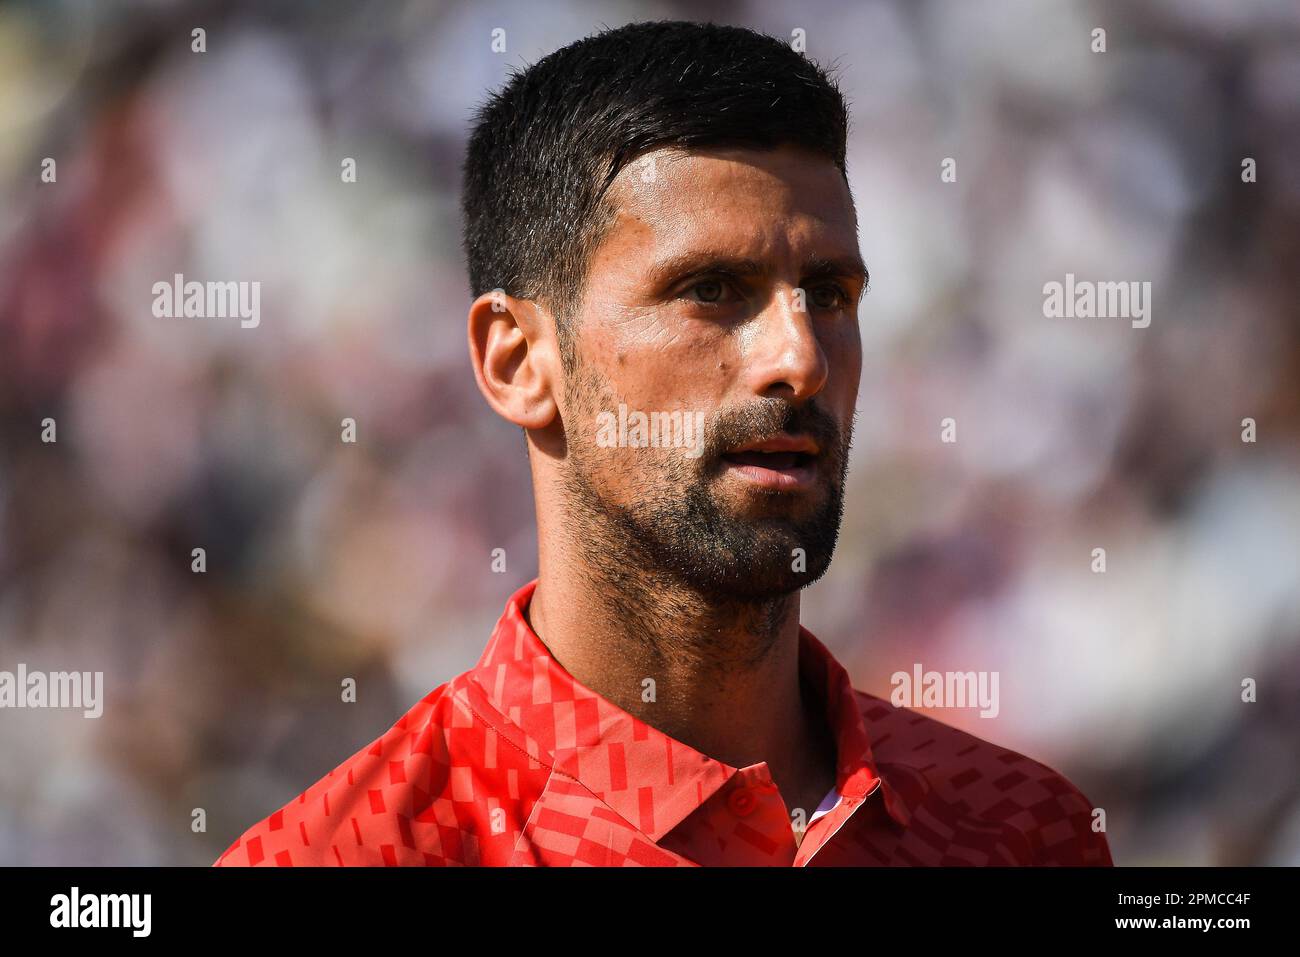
(514, 762)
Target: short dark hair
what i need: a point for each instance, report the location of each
(545, 149)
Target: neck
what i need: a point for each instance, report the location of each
(725, 672)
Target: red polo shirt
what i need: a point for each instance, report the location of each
(514, 762)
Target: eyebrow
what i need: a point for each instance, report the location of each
(699, 263)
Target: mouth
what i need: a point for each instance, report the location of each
(785, 463)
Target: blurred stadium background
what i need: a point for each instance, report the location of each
(372, 560)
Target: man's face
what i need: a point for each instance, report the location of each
(724, 295)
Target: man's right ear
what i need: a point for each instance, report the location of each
(516, 363)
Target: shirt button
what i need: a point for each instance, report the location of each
(741, 802)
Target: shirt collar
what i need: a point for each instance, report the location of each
(650, 779)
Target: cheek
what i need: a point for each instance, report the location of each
(663, 364)
(844, 356)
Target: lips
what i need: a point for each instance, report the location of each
(769, 460)
(784, 462)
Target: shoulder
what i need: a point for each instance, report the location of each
(421, 793)
(964, 781)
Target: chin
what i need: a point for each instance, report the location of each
(760, 583)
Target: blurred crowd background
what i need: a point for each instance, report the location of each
(327, 560)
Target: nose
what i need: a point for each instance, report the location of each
(784, 357)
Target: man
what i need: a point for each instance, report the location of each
(664, 249)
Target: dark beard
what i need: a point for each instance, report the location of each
(677, 535)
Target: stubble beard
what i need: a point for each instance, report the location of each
(677, 553)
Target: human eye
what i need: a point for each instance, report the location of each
(710, 291)
(829, 295)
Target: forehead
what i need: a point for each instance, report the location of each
(755, 202)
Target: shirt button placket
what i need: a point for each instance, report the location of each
(741, 801)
